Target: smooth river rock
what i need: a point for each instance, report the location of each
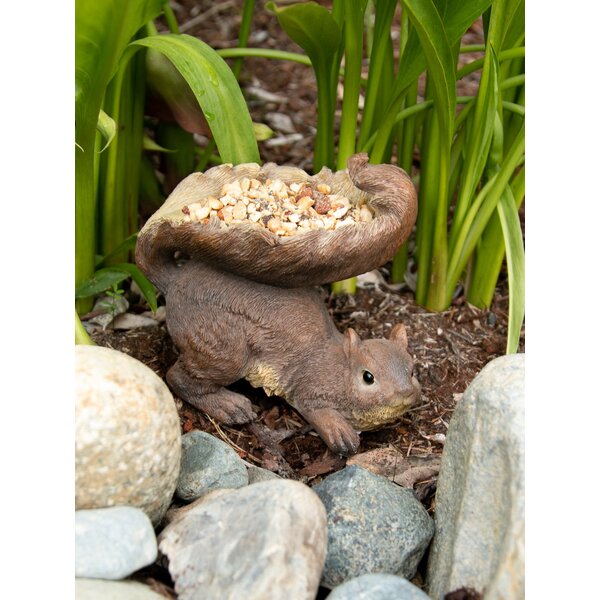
(265, 541)
(208, 463)
(127, 434)
(374, 526)
(377, 586)
(99, 589)
(112, 543)
(480, 502)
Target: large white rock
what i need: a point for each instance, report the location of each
(266, 541)
(127, 434)
(480, 503)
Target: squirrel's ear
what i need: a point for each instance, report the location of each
(399, 336)
(351, 342)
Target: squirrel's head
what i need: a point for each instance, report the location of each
(381, 380)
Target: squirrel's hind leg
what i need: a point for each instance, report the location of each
(210, 397)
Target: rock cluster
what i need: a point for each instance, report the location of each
(245, 533)
(283, 209)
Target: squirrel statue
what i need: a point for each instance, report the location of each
(244, 305)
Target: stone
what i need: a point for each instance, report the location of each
(127, 434)
(208, 463)
(480, 502)
(373, 526)
(377, 586)
(112, 543)
(265, 541)
(99, 589)
(256, 474)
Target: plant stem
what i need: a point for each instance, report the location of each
(81, 335)
(353, 40)
(244, 34)
(170, 18)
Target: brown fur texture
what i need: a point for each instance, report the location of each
(234, 318)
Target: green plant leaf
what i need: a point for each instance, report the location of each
(107, 128)
(312, 27)
(456, 22)
(102, 31)
(440, 63)
(128, 244)
(479, 139)
(515, 262)
(106, 278)
(145, 286)
(317, 32)
(102, 280)
(216, 91)
(167, 82)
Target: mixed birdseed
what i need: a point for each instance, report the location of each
(283, 209)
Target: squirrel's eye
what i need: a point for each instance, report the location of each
(368, 377)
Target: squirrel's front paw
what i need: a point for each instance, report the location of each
(335, 431)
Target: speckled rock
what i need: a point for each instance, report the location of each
(207, 464)
(127, 434)
(265, 541)
(99, 589)
(480, 502)
(377, 586)
(256, 474)
(112, 543)
(374, 526)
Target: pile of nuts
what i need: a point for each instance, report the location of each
(283, 209)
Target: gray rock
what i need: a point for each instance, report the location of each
(112, 543)
(374, 526)
(127, 434)
(377, 586)
(260, 542)
(256, 474)
(207, 464)
(479, 540)
(99, 589)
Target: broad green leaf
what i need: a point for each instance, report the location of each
(101, 281)
(102, 31)
(312, 27)
(515, 262)
(107, 128)
(165, 80)
(215, 89)
(316, 30)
